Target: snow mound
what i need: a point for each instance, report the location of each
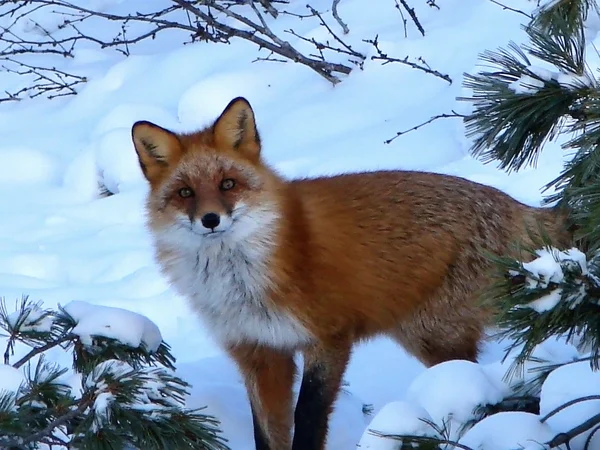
(126, 114)
(81, 175)
(27, 166)
(451, 391)
(508, 430)
(204, 101)
(567, 383)
(125, 326)
(396, 418)
(117, 162)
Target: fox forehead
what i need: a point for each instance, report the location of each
(211, 167)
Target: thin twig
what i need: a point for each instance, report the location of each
(412, 14)
(508, 8)
(404, 21)
(567, 404)
(388, 59)
(334, 12)
(349, 49)
(416, 127)
(269, 8)
(42, 349)
(203, 20)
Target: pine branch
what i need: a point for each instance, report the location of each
(566, 437)
(44, 348)
(421, 442)
(518, 107)
(572, 12)
(532, 308)
(124, 400)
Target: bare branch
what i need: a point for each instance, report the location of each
(416, 127)
(411, 13)
(508, 8)
(48, 81)
(208, 20)
(269, 8)
(381, 56)
(334, 12)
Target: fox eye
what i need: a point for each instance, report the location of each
(185, 192)
(227, 184)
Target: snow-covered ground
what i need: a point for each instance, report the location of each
(60, 241)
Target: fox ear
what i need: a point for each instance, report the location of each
(157, 149)
(236, 129)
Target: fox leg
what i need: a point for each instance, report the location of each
(269, 377)
(324, 367)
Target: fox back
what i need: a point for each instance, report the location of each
(314, 265)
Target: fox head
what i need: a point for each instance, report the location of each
(207, 185)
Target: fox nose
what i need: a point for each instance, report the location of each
(210, 220)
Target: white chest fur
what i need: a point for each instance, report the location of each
(226, 283)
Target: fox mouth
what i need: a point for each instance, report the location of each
(210, 233)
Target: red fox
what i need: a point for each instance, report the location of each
(275, 267)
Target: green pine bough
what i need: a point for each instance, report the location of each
(119, 393)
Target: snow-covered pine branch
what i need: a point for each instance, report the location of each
(555, 294)
(125, 392)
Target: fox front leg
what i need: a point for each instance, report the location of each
(269, 377)
(324, 368)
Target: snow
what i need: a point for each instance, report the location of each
(451, 391)
(528, 84)
(565, 384)
(127, 327)
(11, 379)
(32, 318)
(547, 268)
(64, 241)
(399, 418)
(526, 431)
(553, 351)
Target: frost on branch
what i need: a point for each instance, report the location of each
(121, 392)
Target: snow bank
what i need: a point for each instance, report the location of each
(23, 166)
(125, 326)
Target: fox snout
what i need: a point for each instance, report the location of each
(210, 220)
